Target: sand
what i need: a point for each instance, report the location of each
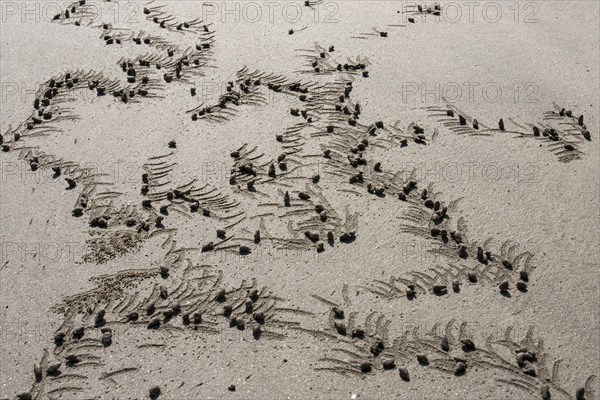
(333, 200)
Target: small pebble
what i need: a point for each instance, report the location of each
(340, 328)
(366, 367)
(256, 330)
(444, 345)
(545, 392)
(456, 286)
(358, 333)
(59, 338)
(460, 368)
(197, 318)
(53, 368)
(154, 323)
(154, 392)
(78, 332)
(404, 374)
(133, 316)
(389, 364)
(472, 277)
(524, 275)
(338, 313)
(439, 289)
(106, 339)
(468, 344)
(244, 250)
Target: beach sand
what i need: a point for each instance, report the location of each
(290, 200)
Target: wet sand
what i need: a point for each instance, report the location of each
(366, 201)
